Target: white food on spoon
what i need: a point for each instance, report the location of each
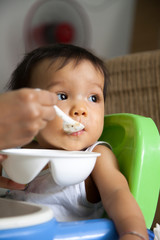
(69, 125)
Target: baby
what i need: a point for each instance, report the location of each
(79, 79)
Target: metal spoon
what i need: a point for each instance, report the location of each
(69, 125)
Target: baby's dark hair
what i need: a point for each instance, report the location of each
(22, 74)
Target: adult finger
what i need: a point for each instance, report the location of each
(2, 157)
(46, 98)
(9, 184)
(48, 113)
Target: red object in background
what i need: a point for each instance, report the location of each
(37, 35)
(64, 33)
(53, 33)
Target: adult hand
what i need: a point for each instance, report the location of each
(22, 114)
(7, 183)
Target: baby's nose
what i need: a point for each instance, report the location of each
(79, 111)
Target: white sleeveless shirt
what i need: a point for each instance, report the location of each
(68, 203)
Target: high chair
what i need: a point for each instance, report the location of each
(136, 143)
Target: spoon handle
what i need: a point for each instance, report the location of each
(62, 115)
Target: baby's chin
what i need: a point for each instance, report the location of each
(73, 147)
(66, 145)
(65, 148)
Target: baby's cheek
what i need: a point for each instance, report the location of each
(56, 124)
(98, 124)
(51, 130)
(95, 133)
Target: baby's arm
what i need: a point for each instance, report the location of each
(116, 197)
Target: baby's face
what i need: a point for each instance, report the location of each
(79, 91)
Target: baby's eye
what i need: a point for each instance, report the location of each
(93, 98)
(62, 96)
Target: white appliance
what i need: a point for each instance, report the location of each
(104, 26)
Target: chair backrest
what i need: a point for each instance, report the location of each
(136, 143)
(135, 85)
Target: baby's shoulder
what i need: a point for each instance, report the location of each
(103, 148)
(107, 157)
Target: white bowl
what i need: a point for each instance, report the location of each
(67, 167)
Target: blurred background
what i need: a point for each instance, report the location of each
(109, 28)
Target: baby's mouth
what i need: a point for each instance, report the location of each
(78, 133)
(69, 125)
(69, 128)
